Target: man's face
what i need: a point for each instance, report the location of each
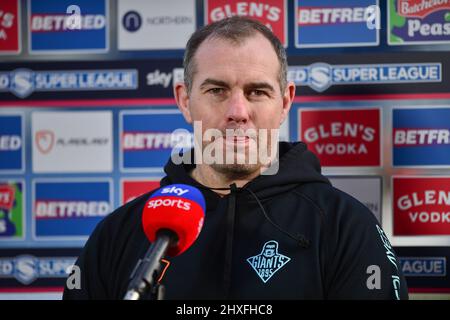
(269, 250)
(236, 86)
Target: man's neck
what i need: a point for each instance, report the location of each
(209, 177)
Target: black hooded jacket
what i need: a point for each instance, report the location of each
(285, 236)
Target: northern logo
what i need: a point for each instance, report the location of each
(132, 21)
(269, 261)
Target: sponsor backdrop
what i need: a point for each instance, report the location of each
(87, 118)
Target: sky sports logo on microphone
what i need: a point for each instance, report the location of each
(177, 203)
(177, 196)
(178, 208)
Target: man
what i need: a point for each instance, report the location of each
(280, 234)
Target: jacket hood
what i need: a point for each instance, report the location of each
(297, 165)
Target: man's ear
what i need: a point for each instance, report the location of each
(288, 98)
(181, 95)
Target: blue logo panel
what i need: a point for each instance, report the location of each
(423, 266)
(70, 209)
(327, 23)
(147, 139)
(11, 143)
(68, 25)
(421, 137)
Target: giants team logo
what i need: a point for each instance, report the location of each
(272, 13)
(269, 261)
(421, 206)
(342, 137)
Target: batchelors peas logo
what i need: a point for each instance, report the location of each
(269, 261)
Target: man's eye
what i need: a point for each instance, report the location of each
(257, 93)
(216, 91)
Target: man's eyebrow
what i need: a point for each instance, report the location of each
(259, 85)
(214, 82)
(249, 86)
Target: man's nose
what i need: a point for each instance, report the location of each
(238, 108)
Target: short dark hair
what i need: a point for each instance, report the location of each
(236, 29)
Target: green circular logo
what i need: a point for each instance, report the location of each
(447, 16)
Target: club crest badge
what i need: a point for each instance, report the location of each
(269, 261)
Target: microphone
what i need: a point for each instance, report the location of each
(172, 220)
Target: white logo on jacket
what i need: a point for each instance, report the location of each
(269, 261)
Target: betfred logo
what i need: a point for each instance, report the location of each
(148, 138)
(339, 23)
(11, 144)
(131, 189)
(421, 206)
(154, 140)
(9, 27)
(68, 26)
(272, 13)
(69, 209)
(421, 136)
(344, 137)
(420, 8)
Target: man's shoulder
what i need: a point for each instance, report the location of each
(333, 202)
